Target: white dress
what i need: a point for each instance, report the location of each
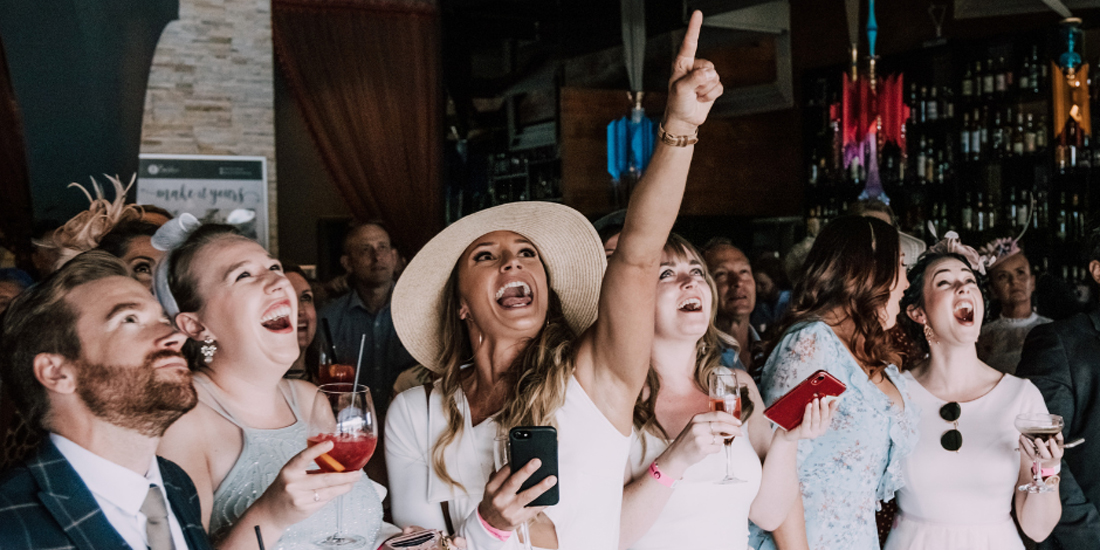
(591, 455)
(957, 501)
(701, 513)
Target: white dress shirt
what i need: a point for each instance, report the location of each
(120, 492)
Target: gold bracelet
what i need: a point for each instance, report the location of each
(677, 141)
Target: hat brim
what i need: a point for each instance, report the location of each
(567, 243)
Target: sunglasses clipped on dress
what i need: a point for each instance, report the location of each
(951, 440)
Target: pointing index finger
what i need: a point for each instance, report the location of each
(685, 60)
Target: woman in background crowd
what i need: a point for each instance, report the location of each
(838, 320)
(305, 367)
(961, 479)
(503, 305)
(673, 499)
(131, 241)
(243, 444)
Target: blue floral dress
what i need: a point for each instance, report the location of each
(857, 462)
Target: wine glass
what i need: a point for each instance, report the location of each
(1038, 426)
(343, 413)
(502, 457)
(725, 395)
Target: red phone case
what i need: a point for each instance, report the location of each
(789, 409)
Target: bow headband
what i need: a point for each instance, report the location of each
(169, 237)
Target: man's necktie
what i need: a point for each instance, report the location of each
(156, 526)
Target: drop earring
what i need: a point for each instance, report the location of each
(209, 346)
(929, 334)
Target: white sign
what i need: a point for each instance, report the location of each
(215, 189)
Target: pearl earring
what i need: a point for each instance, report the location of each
(209, 346)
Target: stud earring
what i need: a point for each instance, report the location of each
(929, 334)
(208, 348)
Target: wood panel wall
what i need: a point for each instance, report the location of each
(745, 166)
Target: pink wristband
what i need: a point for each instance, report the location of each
(1047, 472)
(656, 473)
(497, 533)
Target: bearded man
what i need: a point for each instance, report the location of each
(94, 364)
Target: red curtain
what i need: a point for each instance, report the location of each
(366, 75)
(16, 220)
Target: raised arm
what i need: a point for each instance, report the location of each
(613, 356)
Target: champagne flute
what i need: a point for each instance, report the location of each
(343, 413)
(1039, 426)
(725, 395)
(502, 457)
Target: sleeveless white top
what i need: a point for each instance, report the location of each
(591, 455)
(700, 513)
(263, 455)
(957, 501)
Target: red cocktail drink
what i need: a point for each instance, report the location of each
(350, 452)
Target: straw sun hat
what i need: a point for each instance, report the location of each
(567, 243)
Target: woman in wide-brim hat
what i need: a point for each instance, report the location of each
(512, 308)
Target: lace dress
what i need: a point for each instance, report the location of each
(263, 454)
(857, 462)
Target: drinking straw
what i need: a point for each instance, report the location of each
(359, 363)
(328, 336)
(259, 537)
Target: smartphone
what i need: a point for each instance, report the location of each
(541, 442)
(789, 409)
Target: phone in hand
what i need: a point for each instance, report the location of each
(541, 442)
(789, 409)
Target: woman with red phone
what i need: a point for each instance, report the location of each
(842, 307)
(681, 487)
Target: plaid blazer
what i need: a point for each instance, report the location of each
(45, 505)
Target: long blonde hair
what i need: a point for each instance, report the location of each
(539, 374)
(708, 350)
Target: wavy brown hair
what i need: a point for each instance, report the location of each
(851, 269)
(539, 374)
(708, 350)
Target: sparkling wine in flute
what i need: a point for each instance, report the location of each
(730, 404)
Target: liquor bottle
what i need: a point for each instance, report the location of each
(989, 77)
(980, 213)
(1072, 142)
(1000, 80)
(1025, 72)
(1023, 209)
(1076, 228)
(922, 109)
(968, 214)
(983, 128)
(968, 83)
(814, 173)
(922, 160)
(1018, 135)
(1084, 155)
(964, 137)
(948, 111)
(1030, 136)
(1034, 70)
(975, 137)
(1062, 220)
(930, 158)
(1013, 208)
(933, 106)
(1041, 134)
(997, 139)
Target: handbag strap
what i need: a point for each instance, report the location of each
(444, 506)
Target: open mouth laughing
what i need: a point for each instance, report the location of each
(964, 311)
(690, 304)
(277, 318)
(514, 294)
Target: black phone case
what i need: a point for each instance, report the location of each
(541, 442)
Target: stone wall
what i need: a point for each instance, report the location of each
(211, 88)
